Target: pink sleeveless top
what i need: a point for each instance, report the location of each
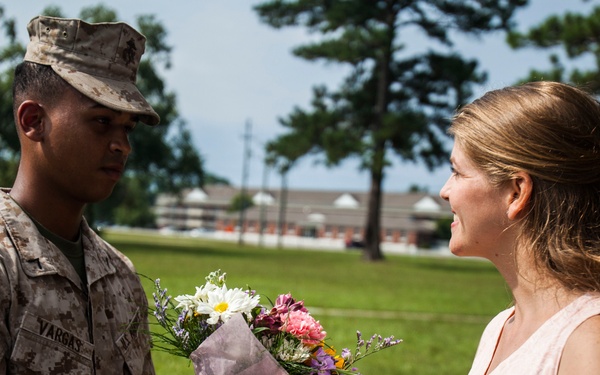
(541, 353)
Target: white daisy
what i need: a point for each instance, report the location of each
(202, 292)
(222, 303)
(190, 301)
(186, 303)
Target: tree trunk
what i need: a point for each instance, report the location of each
(372, 251)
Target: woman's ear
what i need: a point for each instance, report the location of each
(521, 187)
(30, 120)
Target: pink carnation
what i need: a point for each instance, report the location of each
(304, 327)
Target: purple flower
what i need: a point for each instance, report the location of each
(370, 341)
(179, 330)
(322, 362)
(346, 354)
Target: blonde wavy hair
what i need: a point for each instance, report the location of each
(550, 131)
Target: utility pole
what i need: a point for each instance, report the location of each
(263, 207)
(245, 172)
(282, 205)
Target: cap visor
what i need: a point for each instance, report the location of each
(118, 95)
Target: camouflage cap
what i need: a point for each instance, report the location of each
(99, 60)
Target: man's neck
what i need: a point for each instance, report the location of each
(54, 214)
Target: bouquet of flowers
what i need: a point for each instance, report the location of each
(228, 331)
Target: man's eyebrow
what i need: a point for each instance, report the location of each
(97, 105)
(134, 116)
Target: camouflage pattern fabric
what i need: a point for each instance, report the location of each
(49, 323)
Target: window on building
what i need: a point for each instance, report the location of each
(310, 232)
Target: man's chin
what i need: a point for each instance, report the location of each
(99, 196)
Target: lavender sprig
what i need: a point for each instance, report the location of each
(371, 346)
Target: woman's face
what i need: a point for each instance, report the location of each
(480, 221)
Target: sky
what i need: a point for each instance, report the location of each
(229, 69)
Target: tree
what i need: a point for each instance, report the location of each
(391, 100)
(240, 202)
(133, 208)
(415, 188)
(164, 158)
(578, 35)
(442, 228)
(10, 55)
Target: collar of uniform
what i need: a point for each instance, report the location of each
(97, 261)
(39, 256)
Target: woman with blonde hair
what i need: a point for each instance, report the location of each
(525, 193)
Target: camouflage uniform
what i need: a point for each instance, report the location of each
(49, 324)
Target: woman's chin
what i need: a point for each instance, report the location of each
(457, 250)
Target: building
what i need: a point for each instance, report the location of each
(338, 217)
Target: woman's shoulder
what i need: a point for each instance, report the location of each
(581, 354)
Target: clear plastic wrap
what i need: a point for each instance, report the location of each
(234, 350)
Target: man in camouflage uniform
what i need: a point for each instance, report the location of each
(69, 302)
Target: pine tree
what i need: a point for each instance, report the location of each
(392, 101)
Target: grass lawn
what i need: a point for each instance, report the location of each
(438, 306)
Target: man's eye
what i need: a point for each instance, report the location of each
(103, 120)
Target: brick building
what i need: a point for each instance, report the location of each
(408, 218)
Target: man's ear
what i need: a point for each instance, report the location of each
(521, 187)
(30, 120)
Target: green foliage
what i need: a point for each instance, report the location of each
(10, 55)
(184, 167)
(390, 101)
(55, 11)
(415, 188)
(135, 208)
(573, 33)
(442, 228)
(130, 204)
(212, 179)
(94, 13)
(438, 306)
(8, 170)
(240, 202)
